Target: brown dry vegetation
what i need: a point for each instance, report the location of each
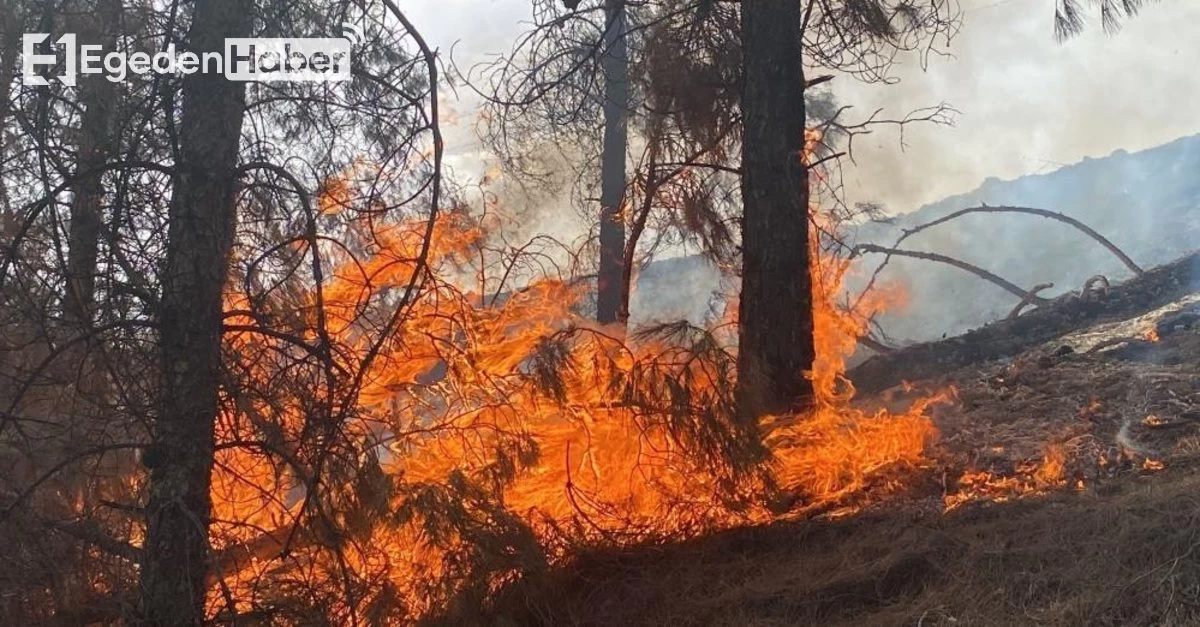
(1071, 522)
(1121, 555)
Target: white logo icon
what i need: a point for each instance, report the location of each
(353, 33)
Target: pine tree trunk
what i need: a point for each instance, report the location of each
(98, 98)
(610, 284)
(10, 46)
(775, 325)
(200, 236)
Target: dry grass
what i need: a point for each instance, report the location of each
(1121, 551)
(1127, 557)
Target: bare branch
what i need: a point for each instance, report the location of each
(961, 265)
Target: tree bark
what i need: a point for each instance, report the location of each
(775, 324)
(10, 46)
(610, 284)
(98, 97)
(200, 236)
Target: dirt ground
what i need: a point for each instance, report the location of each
(1101, 402)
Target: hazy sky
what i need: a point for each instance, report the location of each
(1027, 103)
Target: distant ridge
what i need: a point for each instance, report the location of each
(1147, 203)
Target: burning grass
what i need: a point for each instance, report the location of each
(1041, 507)
(482, 440)
(1126, 557)
(402, 446)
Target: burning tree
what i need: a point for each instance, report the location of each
(776, 349)
(123, 207)
(319, 390)
(694, 68)
(200, 234)
(775, 329)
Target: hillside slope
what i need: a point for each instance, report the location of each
(1123, 558)
(1147, 203)
(1061, 491)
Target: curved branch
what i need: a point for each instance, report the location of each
(1045, 213)
(875, 345)
(1053, 215)
(1016, 311)
(961, 265)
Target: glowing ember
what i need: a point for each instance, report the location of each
(1031, 478)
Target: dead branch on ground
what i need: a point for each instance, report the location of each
(1053, 215)
(1095, 288)
(1016, 311)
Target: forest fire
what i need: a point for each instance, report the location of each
(492, 435)
(498, 342)
(515, 426)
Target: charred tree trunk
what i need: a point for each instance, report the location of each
(200, 236)
(98, 98)
(610, 285)
(775, 323)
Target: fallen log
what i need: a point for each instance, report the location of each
(1005, 338)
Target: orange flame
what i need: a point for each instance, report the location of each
(510, 421)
